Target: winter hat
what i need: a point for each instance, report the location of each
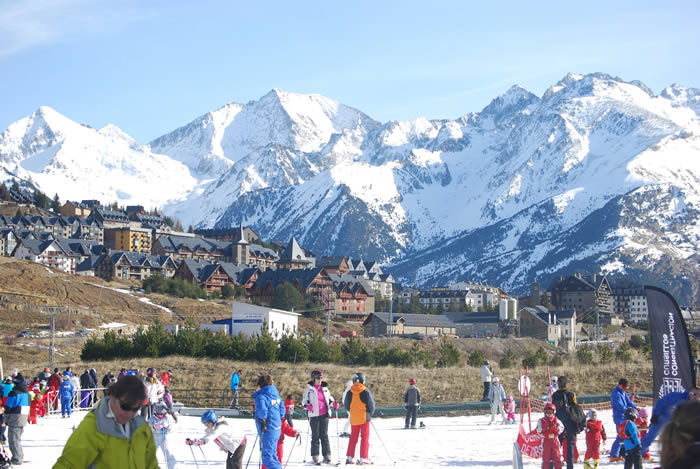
(486, 362)
(36, 388)
(591, 412)
(412, 381)
(643, 413)
(160, 409)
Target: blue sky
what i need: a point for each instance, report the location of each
(149, 67)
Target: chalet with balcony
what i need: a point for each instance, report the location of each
(313, 284)
(587, 294)
(109, 218)
(137, 266)
(186, 247)
(46, 252)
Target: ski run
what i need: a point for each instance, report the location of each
(446, 441)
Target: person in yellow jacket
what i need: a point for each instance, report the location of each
(112, 435)
(360, 405)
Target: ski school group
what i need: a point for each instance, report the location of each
(114, 428)
(563, 419)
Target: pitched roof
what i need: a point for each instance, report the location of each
(90, 263)
(303, 276)
(174, 243)
(352, 282)
(139, 259)
(415, 320)
(294, 252)
(473, 317)
(37, 246)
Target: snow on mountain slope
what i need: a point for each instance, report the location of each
(78, 162)
(512, 179)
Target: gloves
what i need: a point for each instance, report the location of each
(297, 439)
(199, 442)
(309, 407)
(189, 442)
(336, 405)
(654, 419)
(263, 425)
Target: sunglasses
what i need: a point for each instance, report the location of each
(128, 408)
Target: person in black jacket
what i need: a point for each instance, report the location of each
(86, 384)
(561, 400)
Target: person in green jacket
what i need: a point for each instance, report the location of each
(112, 435)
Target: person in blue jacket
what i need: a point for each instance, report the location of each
(269, 410)
(661, 413)
(65, 394)
(16, 412)
(235, 384)
(620, 402)
(632, 444)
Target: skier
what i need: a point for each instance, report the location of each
(642, 424)
(486, 375)
(65, 394)
(217, 430)
(620, 402)
(287, 430)
(269, 411)
(552, 387)
(154, 391)
(661, 413)
(561, 399)
(411, 402)
(318, 400)
(161, 424)
(289, 409)
(360, 406)
(595, 432)
(36, 408)
(550, 428)
(510, 410)
(628, 433)
(235, 385)
(497, 395)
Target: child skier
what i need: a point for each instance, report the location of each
(627, 430)
(161, 424)
(510, 410)
(346, 428)
(36, 408)
(289, 409)
(411, 402)
(642, 423)
(497, 396)
(217, 429)
(550, 428)
(3, 425)
(594, 434)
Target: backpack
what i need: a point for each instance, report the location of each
(574, 412)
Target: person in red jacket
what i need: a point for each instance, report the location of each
(165, 377)
(595, 432)
(642, 424)
(289, 409)
(36, 407)
(550, 428)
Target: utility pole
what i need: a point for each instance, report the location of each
(52, 312)
(391, 318)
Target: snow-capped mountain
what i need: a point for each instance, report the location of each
(596, 173)
(59, 156)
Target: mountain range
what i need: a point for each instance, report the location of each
(597, 174)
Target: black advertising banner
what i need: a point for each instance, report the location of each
(674, 369)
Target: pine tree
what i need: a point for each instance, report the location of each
(56, 204)
(4, 193)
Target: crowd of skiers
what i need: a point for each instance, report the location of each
(22, 401)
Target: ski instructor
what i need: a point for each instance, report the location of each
(112, 436)
(269, 410)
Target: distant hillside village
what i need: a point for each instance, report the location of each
(90, 239)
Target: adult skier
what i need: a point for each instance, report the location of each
(360, 406)
(318, 400)
(486, 375)
(411, 402)
(269, 411)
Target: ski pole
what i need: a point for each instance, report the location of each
(204, 455)
(337, 433)
(382, 442)
(251, 453)
(289, 456)
(308, 428)
(194, 457)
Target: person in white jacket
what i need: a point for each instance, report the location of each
(486, 375)
(318, 402)
(161, 424)
(154, 392)
(220, 432)
(497, 397)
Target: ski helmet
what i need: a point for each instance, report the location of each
(358, 378)
(554, 379)
(412, 381)
(486, 362)
(209, 416)
(631, 413)
(643, 412)
(159, 410)
(150, 371)
(496, 379)
(549, 406)
(317, 374)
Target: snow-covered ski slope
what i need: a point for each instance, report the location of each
(447, 441)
